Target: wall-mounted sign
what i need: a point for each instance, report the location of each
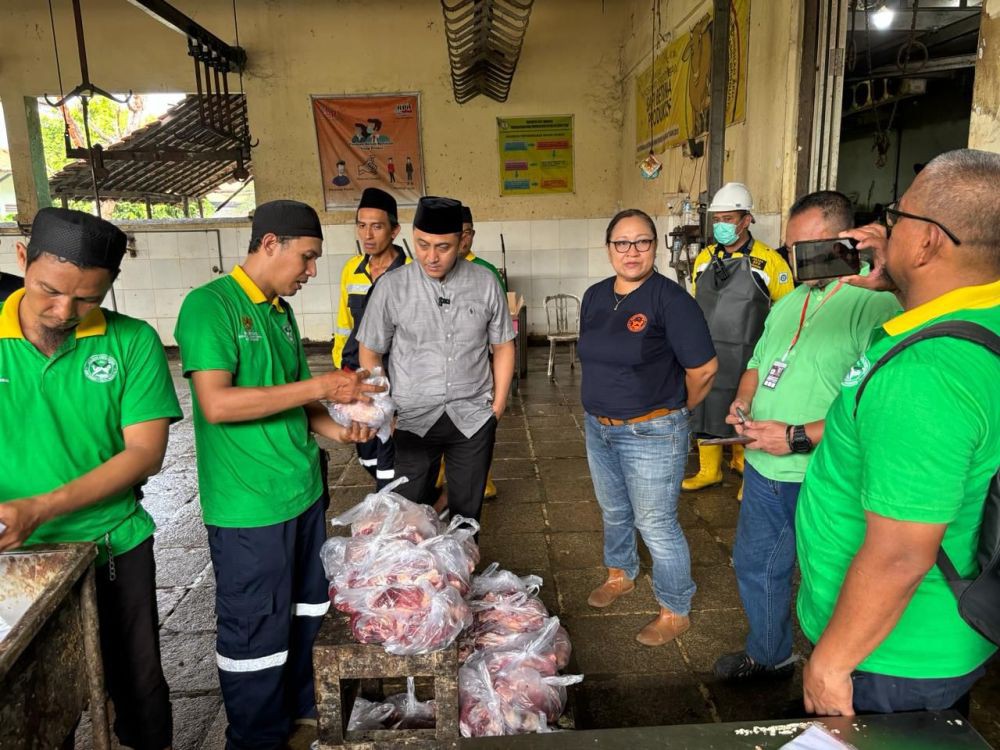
(677, 102)
(369, 141)
(536, 155)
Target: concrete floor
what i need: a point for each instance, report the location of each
(546, 521)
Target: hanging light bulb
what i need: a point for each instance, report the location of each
(882, 18)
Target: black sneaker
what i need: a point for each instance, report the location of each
(739, 667)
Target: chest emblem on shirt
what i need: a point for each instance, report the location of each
(757, 263)
(248, 333)
(100, 368)
(857, 372)
(637, 323)
(289, 334)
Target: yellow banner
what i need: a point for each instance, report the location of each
(536, 155)
(677, 102)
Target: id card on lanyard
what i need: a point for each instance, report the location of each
(781, 364)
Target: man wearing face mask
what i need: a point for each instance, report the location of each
(735, 281)
(812, 337)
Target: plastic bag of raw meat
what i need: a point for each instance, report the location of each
(394, 564)
(367, 716)
(547, 650)
(388, 514)
(518, 700)
(377, 414)
(400, 711)
(410, 713)
(497, 582)
(456, 552)
(500, 620)
(410, 619)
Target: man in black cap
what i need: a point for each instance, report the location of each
(377, 225)
(9, 283)
(262, 489)
(93, 390)
(440, 317)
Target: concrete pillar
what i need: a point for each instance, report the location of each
(27, 156)
(984, 124)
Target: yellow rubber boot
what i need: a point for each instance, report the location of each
(736, 464)
(709, 468)
(491, 488)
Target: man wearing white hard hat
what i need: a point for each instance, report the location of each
(735, 281)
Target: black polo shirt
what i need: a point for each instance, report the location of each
(634, 358)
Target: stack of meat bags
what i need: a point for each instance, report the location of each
(400, 576)
(512, 653)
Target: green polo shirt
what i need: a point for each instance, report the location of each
(924, 447)
(472, 257)
(70, 411)
(838, 326)
(249, 473)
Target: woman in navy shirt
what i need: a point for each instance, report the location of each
(647, 360)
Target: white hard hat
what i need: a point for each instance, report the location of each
(733, 196)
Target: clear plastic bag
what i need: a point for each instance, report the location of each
(548, 650)
(378, 414)
(400, 711)
(367, 716)
(456, 551)
(516, 700)
(494, 582)
(387, 514)
(500, 621)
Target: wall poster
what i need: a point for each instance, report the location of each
(536, 155)
(369, 141)
(677, 102)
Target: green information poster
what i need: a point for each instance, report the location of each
(536, 155)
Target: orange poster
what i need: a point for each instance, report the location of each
(369, 141)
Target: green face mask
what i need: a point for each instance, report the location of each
(725, 234)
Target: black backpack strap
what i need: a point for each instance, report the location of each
(956, 329)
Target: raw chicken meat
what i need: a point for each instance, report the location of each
(378, 414)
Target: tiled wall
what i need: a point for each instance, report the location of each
(543, 257)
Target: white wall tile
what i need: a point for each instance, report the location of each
(334, 265)
(166, 273)
(519, 263)
(598, 265)
(544, 234)
(196, 271)
(135, 274)
(315, 298)
(339, 238)
(138, 303)
(230, 239)
(316, 327)
(573, 234)
(162, 244)
(767, 229)
(487, 237)
(168, 302)
(595, 231)
(574, 262)
(196, 245)
(545, 262)
(516, 235)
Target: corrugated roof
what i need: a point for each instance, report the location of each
(179, 129)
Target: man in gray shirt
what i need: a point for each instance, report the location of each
(440, 317)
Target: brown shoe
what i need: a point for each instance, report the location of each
(618, 584)
(664, 628)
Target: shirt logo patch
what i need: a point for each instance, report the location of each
(101, 368)
(782, 278)
(289, 334)
(248, 333)
(637, 323)
(857, 372)
(758, 263)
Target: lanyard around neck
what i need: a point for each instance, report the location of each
(802, 317)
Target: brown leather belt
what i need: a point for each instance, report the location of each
(612, 422)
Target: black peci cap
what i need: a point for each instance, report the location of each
(77, 237)
(438, 215)
(379, 199)
(285, 219)
(466, 214)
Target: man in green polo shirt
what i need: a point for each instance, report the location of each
(908, 473)
(811, 338)
(263, 493)
(89, 392)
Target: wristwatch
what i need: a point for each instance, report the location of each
(797, 439)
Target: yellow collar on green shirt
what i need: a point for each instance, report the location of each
(963, 298)
(470, 256)
(251, 289)
(93, 324)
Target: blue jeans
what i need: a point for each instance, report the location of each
(884, 694)
(764, 558)
(637, 471)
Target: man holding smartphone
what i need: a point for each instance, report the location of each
(810, 340)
